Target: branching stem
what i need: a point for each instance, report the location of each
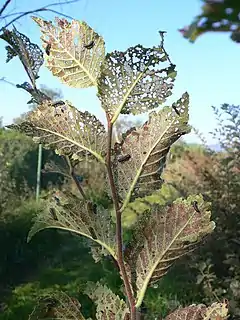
(120, 259)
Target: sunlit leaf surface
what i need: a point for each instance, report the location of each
(135, 81)
(67, 212)
(65, 129)
(74, 50)
(147, 148)
(164, 236)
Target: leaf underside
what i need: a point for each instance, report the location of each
(200, 312)
(148, 147)
(67, 130)
(164, 236)
(134, 81)
(109, 305)
(67, 212)
(57, 306)
(71, 57)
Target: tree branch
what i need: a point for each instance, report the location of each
(45, 8)
(5, 6)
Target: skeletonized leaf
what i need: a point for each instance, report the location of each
(134, 81)
(38, 96)
(75, 51)
(217, 311)
(67, 212)
(66, 129)
(109, 305)
(57, 306)
(148, 147)
(164, 236)
(29, 53)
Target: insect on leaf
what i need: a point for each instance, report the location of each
(148, 147)
(29, 53)
(164, 236)
(57, 306)
(71, 57)
(65, 129)
(75, 216)
(109, 305)
(134, 81)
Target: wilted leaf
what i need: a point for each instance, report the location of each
(76, 51)
(38, 96)
(216, 16)
(164, 236)
(57, 306)
(134, 82)
(67, 212)
(217, 311)
(29, 53)
(148, 147)
(109, 306)
(66, 129)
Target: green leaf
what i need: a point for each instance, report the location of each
(29, 53)
(216, 16)
(57, 306)
(200, 311)
(148, 147)
(109, 305)
(67, 212)
(164, 236)
(133, 81)
(75, 51)
(69, 131)
(139, 206)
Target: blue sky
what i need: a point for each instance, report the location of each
(209, 69)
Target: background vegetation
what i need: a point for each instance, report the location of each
(58, 260)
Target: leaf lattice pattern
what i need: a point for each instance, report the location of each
(164, 236)
(133, 82)
(57, 306)
(66, 129)
(217, 311)
(76, 51)
(29, 53)
(109, 306)
(67, 212)
(148, 147)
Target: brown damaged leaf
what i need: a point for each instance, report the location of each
(217, 311)
(67, 212)
(67, 130)
(57, 306)
(109, 305)
(75, 51)
(164, 236)
(148, 147)
(134, 81)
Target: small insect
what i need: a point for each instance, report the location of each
(48, 48)
(58, 103)
(124, 158)
(53, 214)
(176, 110)
(195, 206)
(89, 45)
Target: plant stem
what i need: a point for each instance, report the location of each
(120, 259)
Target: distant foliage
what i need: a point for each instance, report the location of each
(216, 16)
